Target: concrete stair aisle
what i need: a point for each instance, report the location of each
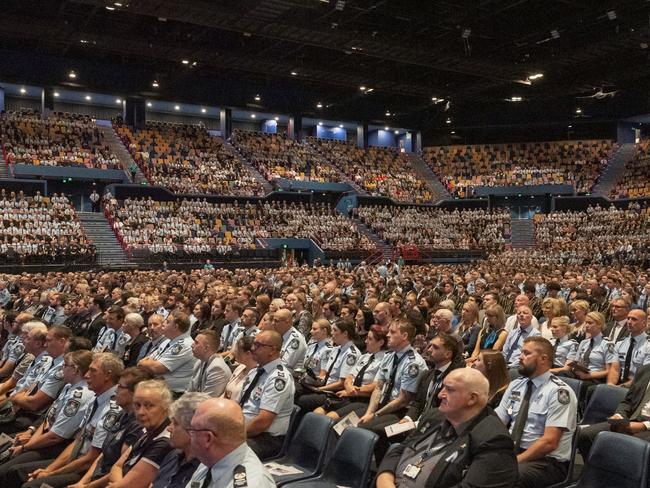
(4, 172)
(423, 171)
(268, 187)
(343, 178)
(614, 170)
(385, 248)
(117, 147)
(523, 233)
(109, 250)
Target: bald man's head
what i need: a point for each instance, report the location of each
(464, 394)
(220, 428)
(282, 320)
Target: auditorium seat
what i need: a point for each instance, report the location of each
(616, 461)
(308, 448)
(349, 464)
(603, 403)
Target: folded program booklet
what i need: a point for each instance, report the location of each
(350, 420)
(394, 429)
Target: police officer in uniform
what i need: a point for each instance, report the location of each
(340, 364)
(14, 349)
(112, 337)
(30, 403)
(34, 342)
(266, 397)
(232, 328)
(62, 421)
(319, 347)
(156, 338)
(397, 380)
(632, 352)
(540, 412)
(294, 346)
(211, 373)
(175, 361)
(100, 416)
(595, 356)
(218, 437)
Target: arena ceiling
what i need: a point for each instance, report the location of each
(475, 55)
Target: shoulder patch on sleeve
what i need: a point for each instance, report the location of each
(294, 344)
(351, 360)
(71, 408)
(611, 348)
(176, 348)
(58, 374)
(280, 384)
(413, 370)
(563, 396)
(19, 348)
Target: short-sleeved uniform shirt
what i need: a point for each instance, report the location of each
(293, 349)
(410, 369)
(97, 423)
(552, 404)
(125, 431)
(177, 357)
(514, 342)
(68, 410)
(40, 363)
(316, 355)
(341, 361)
(228, 334)
(602, 353)
(565, 347)
(13, 350)
(107, 340)
(51, 380)
(640, 353)
(371, 371)
(273, 392)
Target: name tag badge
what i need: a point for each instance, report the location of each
(412, 471)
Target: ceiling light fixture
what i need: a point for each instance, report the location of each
(340, 126)
(72, 75)
(149, 104)
(536, 76)
(185, 61)
(23, 91)
(109, 7)
(155, 84)
(118, 100)
(276, 118)
(83, 41)
(319, 105)
(386, 128)
(56, 94)
(370, 90)
(203, 110)
(387, 113)
(396, 132)
(448, 121)
(177, 107)
(253, 116)
(578, 110)
(362, 88)
(88, 98)
(516, 99)
(294, 73)
(257, 98)
(320, 123)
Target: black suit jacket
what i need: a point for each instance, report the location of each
(417, 404)
(610, 326)
(94, 328)
(483, 455)
(636, 392)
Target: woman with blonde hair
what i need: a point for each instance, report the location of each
(579, 310)
(468, 327)
(563, 344)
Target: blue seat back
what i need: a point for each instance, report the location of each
(350, 462)
(309, 445)
(603, 403)
(616, 461)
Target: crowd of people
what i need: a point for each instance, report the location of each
(595, 236)
(59, 139)
(434, 228)
(169, 378)
(380, 171)
(278, 156)
(463, 168)
(635, 182)
(187, 159)
(41, 230)
(198, 227)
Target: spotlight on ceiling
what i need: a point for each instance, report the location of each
(448, 121)
(253, 116)
(396, 132)
(320, 123)
(155, 84)
(203, 110)
(578, 110)
(516, 99)
(23, 91)
(177, 107)
(118, 101)
(536, 76)
(88, 98)
(387, 113)
(149, 104)
(340, 126)
(276, 118)
(386, 128)
(362, 88)
(257, 98)
(57, 94)
(294, 73)
(72, 75)
(319, 105)
(185, 61)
